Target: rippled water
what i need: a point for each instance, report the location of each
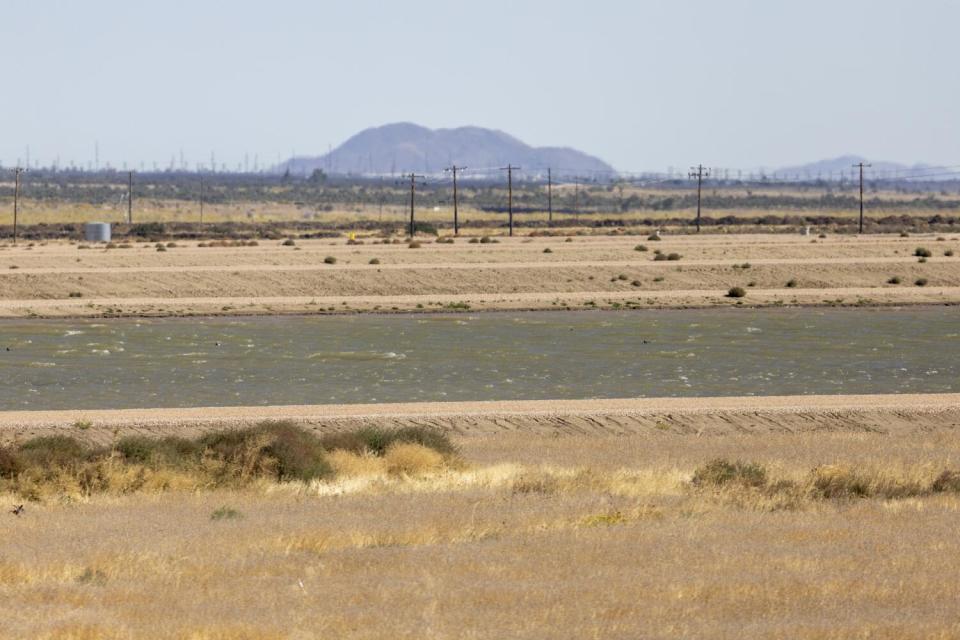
(348, 359)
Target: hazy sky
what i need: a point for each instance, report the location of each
(644, 85)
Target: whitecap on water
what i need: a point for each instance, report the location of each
(356, 355)
(754, 330)
(72, 332)
(42, 364)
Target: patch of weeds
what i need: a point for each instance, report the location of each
(721, 473)
(736, 292)
(93, 577)
(920, 282)
(604, 519)
(641, 247)
(226, 513)
(82, 425)
(329, 260)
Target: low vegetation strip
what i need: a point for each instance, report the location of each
(276, 451)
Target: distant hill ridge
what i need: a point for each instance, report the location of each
(405, 147)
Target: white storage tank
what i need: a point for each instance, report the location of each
(97, 231)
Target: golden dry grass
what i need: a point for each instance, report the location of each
(534, 537)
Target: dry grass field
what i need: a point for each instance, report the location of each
(334, 275)
(845, 532)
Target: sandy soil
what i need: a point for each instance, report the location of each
(58, 279)
(635, 416)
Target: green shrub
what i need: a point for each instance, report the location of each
(673, 256)
(721, 473)
(329, 260)
(374, 261)
(548, 250)
(921, 252)
(894, 280)
(736, 292)
(376, 441)
(280, 449)
(52, 451)
(641, 247)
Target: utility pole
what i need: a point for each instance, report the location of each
(16, 200)
(699, 172)
(509, 169)
(456, 222)
(201, 198)
(130, 197)
(413, 192)
(861, 165)
(549, 195)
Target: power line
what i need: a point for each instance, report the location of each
(413, 191)
(453, 171)
(16, 200)
(509, 169)
(861, 165)
(699, 173)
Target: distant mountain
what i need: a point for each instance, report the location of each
(405, 147)
(844, 165)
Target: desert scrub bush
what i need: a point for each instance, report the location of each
(920, 282)
(673, 256)
(374, 261)
(289, 242)
(414, 245)
(225, 513)
(161, 247)
(948, 253)
(641, 247)
(833, 482)
(922, 252)
(486, 240)
(736, 292)
(278, 449)
(329, 260)
(653, 237)
(791, 283)
(894, 280)
(548, 250)
(376, 441)
(722, 473)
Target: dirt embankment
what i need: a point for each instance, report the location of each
(698, 417)
(323, 276)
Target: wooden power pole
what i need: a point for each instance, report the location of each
(699, 172)
(16, 200)
(201, 198)
(549, 195)
(413, 193)
(130, 197)
(861, 165)
(510, 169)
(456, 223)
